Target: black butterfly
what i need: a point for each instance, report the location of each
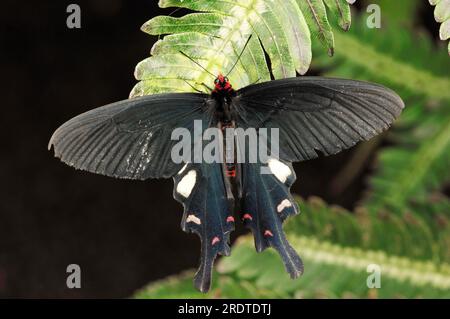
(132, 139)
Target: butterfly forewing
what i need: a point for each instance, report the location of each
(132, 138)
(317, 114)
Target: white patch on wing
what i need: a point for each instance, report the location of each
(284, 204)
(183, 169)
(187, 183)
(279, 169)
(193, 219)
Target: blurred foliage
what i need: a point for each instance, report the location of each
(402, 223)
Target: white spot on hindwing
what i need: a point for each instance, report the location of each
(187, 183)
(193, 219)
(183, 169)
(279, 169)
(284, 204)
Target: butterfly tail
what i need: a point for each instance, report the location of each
(200, 188)
(266, 203)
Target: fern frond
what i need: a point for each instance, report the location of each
(417, 164)
(216, 32)
(396, 59)
(410, 171)
(337, 247)
(321, 254)
(333, 272)
(391, 233)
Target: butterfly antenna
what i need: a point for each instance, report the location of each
(201, 66)
(240, 55)
(193, 87)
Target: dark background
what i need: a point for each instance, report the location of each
(123, 234)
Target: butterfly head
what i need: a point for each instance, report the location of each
(222, 83)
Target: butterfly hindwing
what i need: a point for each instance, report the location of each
(266, 203)
(200, 188)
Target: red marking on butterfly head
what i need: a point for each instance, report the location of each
(222, 83)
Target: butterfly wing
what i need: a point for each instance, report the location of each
(317, 114)
(200, 188)
(131, 138)
(266, 203)
(313, 115)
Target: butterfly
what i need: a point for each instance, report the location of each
(132, 139)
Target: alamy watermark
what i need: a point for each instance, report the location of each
(74, 19)
(374, 19)
(374, 279)
(74, 279)
(228, 145)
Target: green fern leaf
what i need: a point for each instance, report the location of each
(315, 13)
(333, 272)
(342, 12)
(391, 233)
(337, 246)
(342, 264)
(413, 171)
(216, 32)
(417, 163)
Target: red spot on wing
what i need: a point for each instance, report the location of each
(215, 240)
(230, 219)
(268, 233)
